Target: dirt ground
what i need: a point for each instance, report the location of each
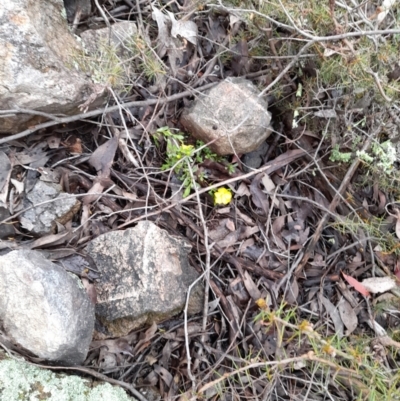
(288, 315)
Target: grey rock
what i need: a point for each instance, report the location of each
(38, 68)
(232, 114)
(22, 381)
(41, 220)
(253, 160)
(144, 277)
(118, 36)
(43, 309)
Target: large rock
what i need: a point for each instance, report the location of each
(41, 220)
(230, 113)
(145, 275)
(38, 62)
(43, 308)
(119, 37)
(20, 381)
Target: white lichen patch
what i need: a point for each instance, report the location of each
(20, 381)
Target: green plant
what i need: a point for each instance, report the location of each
(105, 66)
(349, 361)
(380, 158)
(184, 159)
(338, 156)
(147, 60)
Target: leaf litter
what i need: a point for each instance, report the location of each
(257, 239)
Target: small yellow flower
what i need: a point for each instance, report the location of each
(262, 304)
(186, 149)
(306, 326)
(222, 196)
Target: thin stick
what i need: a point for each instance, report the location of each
(94, 113)
(270, 168)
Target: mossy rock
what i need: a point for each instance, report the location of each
(20, 381)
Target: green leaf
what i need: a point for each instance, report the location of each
(186, 192)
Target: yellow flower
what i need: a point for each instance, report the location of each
(222, 196)
(262, 304)
(186, 149)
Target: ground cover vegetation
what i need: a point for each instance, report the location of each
(282, 249)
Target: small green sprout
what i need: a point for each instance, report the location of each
(184, 159)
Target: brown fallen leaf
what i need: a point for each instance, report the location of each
(251, 286)
(145, 341)
(73, 144)
(51, 239)
(356, 285)
(103, 157)
(259, 198)
(292, 292)
(164, 374)
(348, 316)
(334, 314)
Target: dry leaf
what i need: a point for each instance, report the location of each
(50, 239)
(73, 144)
(348, 316)
(357, 285)
(19, 185)
(243, 190)
(164, 374)
(292, 292)
(223, 210)
(245, 217)
(247, 243)
(259, 198)
(334, 314)
(384, 10)
(94, 193)
(251, 286)
(230, 225)
(268, 183)
(129, 195)
(377, 285)
(166, 43)
(103, 157)
(184, 29)
(329, 52)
